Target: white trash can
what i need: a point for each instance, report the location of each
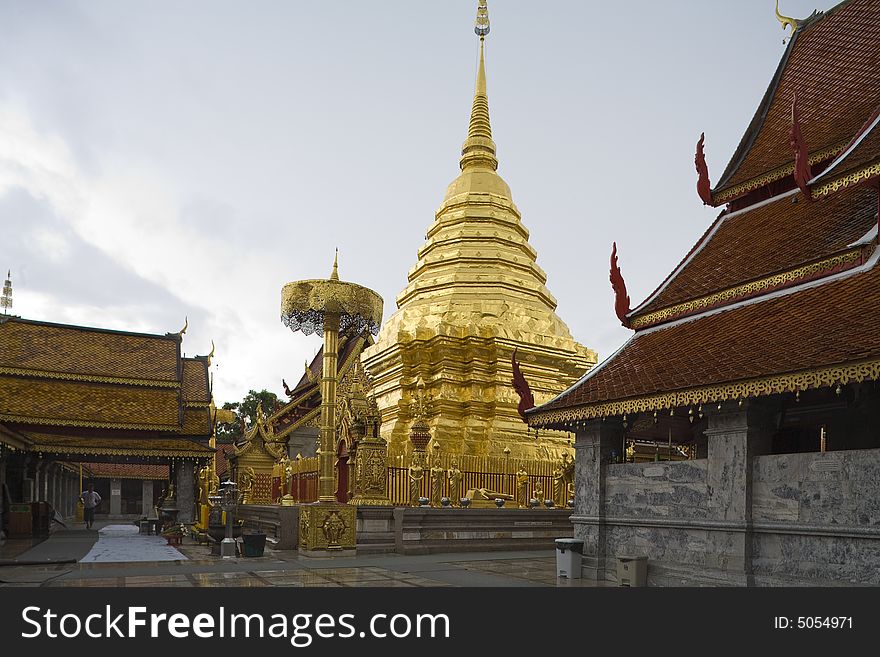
(632, 571)
(568, 557)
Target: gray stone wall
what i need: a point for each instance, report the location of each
(814, 519)
(666, 490)
(839, 488)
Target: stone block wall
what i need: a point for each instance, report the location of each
(814, 520)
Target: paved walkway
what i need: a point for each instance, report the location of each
(124, 543)
(196, 567)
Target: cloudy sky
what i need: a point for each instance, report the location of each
(167, 159)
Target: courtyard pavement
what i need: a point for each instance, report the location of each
(118, 556)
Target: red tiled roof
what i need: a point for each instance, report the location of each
(830, 324)
(865, 152)
(773, 238)
(832, 65)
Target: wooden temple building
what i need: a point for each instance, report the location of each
(760, 351)
(125, 411)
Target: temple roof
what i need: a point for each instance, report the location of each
(830, 62)
(782, 294)
(67, 445)
(816, 334)
(56, 375)
(761, 248)
(87, 354)
(305, 399)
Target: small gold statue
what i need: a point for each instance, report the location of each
(522, 488)
(454, 476)
(416, 474)
(246, 480)
(538, 492)
(436, 484)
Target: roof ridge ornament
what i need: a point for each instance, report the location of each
(786, 21)
(182, 331)
(621, 298)
(704, 187)
(6, 299)
(802, 171)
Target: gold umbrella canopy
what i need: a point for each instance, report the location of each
(305, 303)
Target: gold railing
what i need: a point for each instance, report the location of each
(493, 473)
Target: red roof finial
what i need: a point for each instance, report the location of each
(621, 299)
(526, 398)
(802, 173)
(704, 188)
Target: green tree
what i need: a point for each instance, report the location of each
(246, 409)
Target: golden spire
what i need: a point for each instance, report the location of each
(478, 149)
(334, 275)
(785, 21)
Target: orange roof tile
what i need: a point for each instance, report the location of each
(195, 380)
(73, 403)
(89, 352)
(773, 238)
(831, 64)
(832, 324)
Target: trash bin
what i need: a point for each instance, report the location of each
(42, 516)
(254, 544)
(568, 557)
(21, 521)
(632, 571)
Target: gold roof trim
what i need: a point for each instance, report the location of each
(747, 289)
(89, 378)
(824, 377)
(775, 174)
(854, 178)
(23, 419)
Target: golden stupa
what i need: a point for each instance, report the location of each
(475, 294)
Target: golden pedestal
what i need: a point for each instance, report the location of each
(80, 513)
(326, 529)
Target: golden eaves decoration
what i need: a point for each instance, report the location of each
(747, 289)
(772, 385)
(845, 181)
(88, 378)
(775, 174)
(88, 424)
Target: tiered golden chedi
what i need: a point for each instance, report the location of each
(475, 294)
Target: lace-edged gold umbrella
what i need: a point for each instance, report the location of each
(328, 307)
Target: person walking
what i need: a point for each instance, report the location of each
(91, 499)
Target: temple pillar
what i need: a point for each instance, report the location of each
(147, 498)
(185, 485)
(56, 486)
(115, 497)
(2, 487)
(735, 437)
(593, 446)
